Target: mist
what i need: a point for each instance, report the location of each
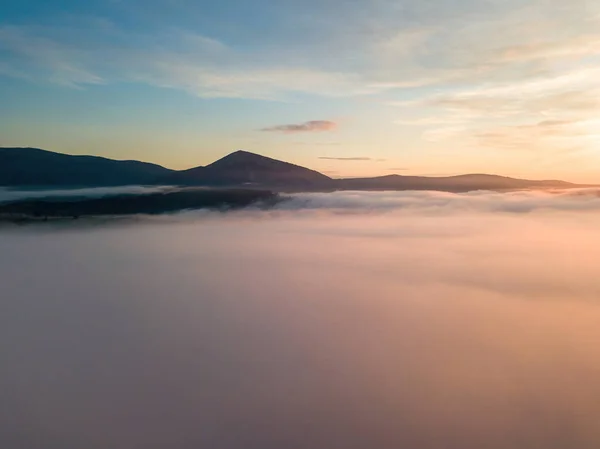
(417, 320)
(14, 194)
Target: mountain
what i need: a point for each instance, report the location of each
(460, 183)
(35, 167)
(245, 168)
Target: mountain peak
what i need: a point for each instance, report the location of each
(243, 167)
(243, 152)
(242, 157)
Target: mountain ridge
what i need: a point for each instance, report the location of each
(29, 167)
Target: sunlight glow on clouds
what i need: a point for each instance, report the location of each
(311, 126)
(432, 321)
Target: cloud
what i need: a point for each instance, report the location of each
(430, 202)
(444, 323)
(60, 62)
(311, 126)
(325, 144)
(347, 158)
(369, 49)
(549, 113)
(184, 60)
(576, 47)
(92, 192)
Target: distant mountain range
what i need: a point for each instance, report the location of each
(32, 167)
(35, 167)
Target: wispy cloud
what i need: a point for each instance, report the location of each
(530, 85)
(311, 126)
(346, 158)
(188, 61)
(547, 113)
(318, 144)
(373, 48)
(60, 63)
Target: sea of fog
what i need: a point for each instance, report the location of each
(415, 320)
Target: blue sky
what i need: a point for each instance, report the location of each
(409, 87)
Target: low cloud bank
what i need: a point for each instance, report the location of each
(425, 321)
(444, 203)
(430, 202)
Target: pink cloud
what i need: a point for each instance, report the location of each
(311, 126)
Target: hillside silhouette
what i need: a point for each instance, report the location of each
(33, 167)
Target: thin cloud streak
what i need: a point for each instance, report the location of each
(318, 144)
(328, 158)
(543, 114)
(395, 55)
(311, 126)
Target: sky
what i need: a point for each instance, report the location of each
(347, 87)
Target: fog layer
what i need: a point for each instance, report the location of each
(443, 321)
(7, 194)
